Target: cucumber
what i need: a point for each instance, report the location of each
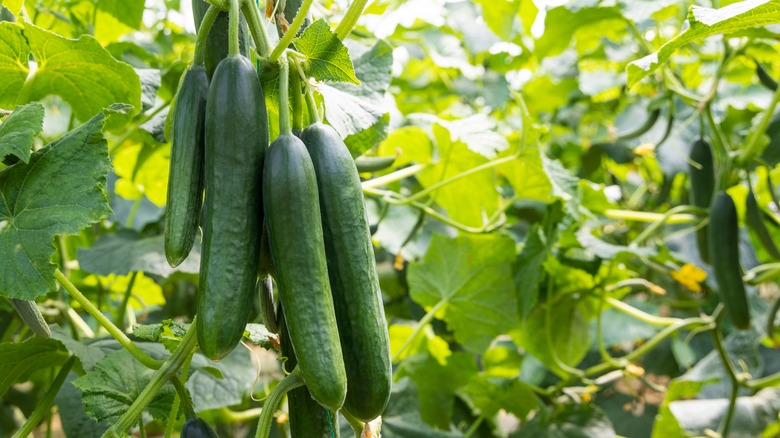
(295, 236)
(236, 138)
(754, 220)
(217, 41)
(701, 171)
(373, 164)
(31, 315)
(724, 253)
(185, 182)
(307, 418)
(352, 271)
(197, 427)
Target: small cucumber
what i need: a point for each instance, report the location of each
(701, 171)
(197, 427)
(31, 315)
(352, 272)
(373, 164)
(236, 138)
(292, 214)
(754, 220)
(185, 182)
(307, 418)
(724, 253)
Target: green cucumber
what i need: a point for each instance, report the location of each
(185, 181)
(701, 171)
(724, 253)
(236, 138)
(216, 48)
(373, 164)
(295, 236)
(307, 418)
(754, 220)
(352, 271)
(197, 427)
(764, 78)
(31, 315)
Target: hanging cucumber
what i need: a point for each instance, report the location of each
(724, 253)
(216, 45)
(374, 164)
(754, 220)
(32, 317)
(295, 235)
(185, 182)
(307, 418)
(701, 171)
(236, 138)
(352, 272)
(197, 427)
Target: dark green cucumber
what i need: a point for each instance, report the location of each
(754, 220)
(764, 78)
(352, 272)
(197, 427)
(32, 317)
(185, 181)
(307, 418)
(217, 41)
(724, 253)
(373, 164)
(701, 171)
(292, 213)
(236, 138)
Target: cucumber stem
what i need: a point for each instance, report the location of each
(234, 48)
(350, 19)
(297, 98)
(203, 31)
(44, 406)
(300, 17)
(113, 330)
(257, 28)
(284, 98)
(290, 382)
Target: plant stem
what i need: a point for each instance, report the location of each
(118, 334)
(44, 406)
(418, 328)
(234, 48)
(661, 221)
(754, 145)
(203, 32)
(350, 19)
(257, 28)
(284, 98)
(725, 424)
(184, 396)
(297, 98)
(240, 417)
(168, 370)
(311, 106)
(474, 427)
(398, 175)
(658, 321)
(120, 314)
(300, 17)
(356, 424)
(291, 381)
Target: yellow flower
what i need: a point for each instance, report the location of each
(644, 149)
(690, 276)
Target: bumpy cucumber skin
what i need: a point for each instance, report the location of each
(702, 175)
(185, 182)
(197, 428)
(32, 317)
(724, 253)
(217, 42)
(236, 138)
(292, 214)
(352, 271)
(307, 417)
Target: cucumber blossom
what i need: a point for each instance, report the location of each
(236, 139)
(295, 235)
(352, 272)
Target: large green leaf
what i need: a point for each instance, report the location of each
(568, 421)
(60, 191)
(129, 12)
(703, 22)
(67, 68)
(19, 129)
(402, 417)
(21, 360)
(562, 22)
(211, 392)
(327, 58)
(470, 279)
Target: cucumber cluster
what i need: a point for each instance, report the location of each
(301, 199)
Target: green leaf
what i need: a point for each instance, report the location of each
(492, 394)
(88, 354)
(129, 12)
(327, 58)
(438, 383)
(75, 421)
(19, 129)
(211, 392)
(704, 22)
(500, 16)
(470, 278)
(607, 250)
(125, 252)
(21, 360)
(562, 22)
(155, 332)
(114, 384)
(60, 191)
(402, 418)
(351, 108)
(258, 334)
(568, 421)
(72, 77)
